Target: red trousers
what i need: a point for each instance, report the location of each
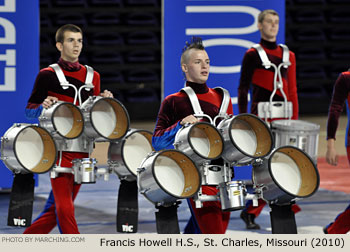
(210, 218)
(59, 208)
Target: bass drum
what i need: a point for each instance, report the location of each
(126, 155)
(301, 134)
(168, 176)
(105, 118)
(288, 173)
(28, 148)
(62, 120)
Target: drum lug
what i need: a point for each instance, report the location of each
(188, 189)
(4, 139)
(257, 161)
(17, 171)
(144, 191)
(140, 169)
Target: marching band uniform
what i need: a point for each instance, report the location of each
(262, 81)
(341, 91)
(210, 218)
(59, 208)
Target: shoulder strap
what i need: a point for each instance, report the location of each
(225, 101)
(60, 75)
(285, 56)
(263, 56)
(89, 77)
(194, 100)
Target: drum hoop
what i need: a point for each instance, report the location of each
(123, 143)
(15, 152)
(236, 146)
(279, 185)
(122, 106)
(210, 125)
(165, 190)
(278, 125)
(82, 119)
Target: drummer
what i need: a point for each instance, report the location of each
(59, 209)
(254, 74)
(176, 111)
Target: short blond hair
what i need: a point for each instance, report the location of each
(264, 13)
(196, 43)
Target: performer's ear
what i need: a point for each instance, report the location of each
(184, 68)
(259, 26)
(59, 46)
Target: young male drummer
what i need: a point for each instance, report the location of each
(59, 208)
(254, 74)
(176, 111)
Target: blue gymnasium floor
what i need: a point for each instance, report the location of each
(96, 210)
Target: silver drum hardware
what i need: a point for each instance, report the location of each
(168, 176)
(27, 148)
(232, 195)
(84, 170)
(127, 154)
(287, 174)
(301, 134)
(105, 118)
(200, 141)
(62, 120)
(246, 138)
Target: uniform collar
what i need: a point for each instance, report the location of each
(198, 88)
(69, 66)
(268, 44)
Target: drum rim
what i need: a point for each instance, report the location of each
(15, 152)
(278, 184)
(266, 127)
(285, 127)
(82, 119)
(190, 143)
(121, 105)
(160, 185)
(129, 133)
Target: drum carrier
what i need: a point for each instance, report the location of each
(298, 133)
(296, 143)
(78, 131)
(210, 143)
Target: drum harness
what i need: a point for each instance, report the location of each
(199, 198)
(275, 109)
(65, 85)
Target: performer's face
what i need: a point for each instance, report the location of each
(196, 68)
(269, 27)
(71, 47)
